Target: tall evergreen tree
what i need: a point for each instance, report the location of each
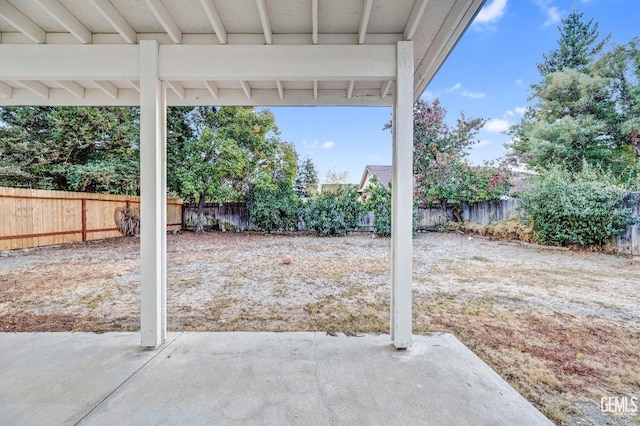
(577, 46)
(91, 149)
(306, 184)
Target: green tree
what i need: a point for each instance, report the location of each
(439, 157)
(586, 110)
(216, 155)
(578, 46)
(70, 148)
(306, 183)
(570, 124)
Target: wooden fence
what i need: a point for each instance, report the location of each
(32, 218)
(219, 217)
(487, 212)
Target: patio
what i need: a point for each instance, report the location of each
(250, 378)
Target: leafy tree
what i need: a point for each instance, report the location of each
(334, 213)
(577, 46)
(70, 148)
(217, 154)
(273, 205)
(306, 184)
(583, 208)
(439, 157)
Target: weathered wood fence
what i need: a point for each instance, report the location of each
(219, 217)
(487, 212)
(235, 216)
(32, 217)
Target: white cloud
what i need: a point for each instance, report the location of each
(518, 82)
(497, 125)
(521, 110)
(474, 95)
(554, 15)
(328, 144)
(310, 145)
(455, 87)
(491, 12)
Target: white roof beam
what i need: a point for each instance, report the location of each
(199, 62)
(384, 90)
(36, 87)
(72, 87)
(364, 20)
(276, 62)
(414, 19)
(352, 85)
(280, 89)
(6, 91)
(166, 20)
(69, 62)
(177, 88)
(264, 18)
(216, 22)
(23, 24)
(315, 89)
(246, 88)
(115, 19)
(66, 19)
(212, 88)
(107, 88)
(314, 21)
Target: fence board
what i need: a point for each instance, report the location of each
(31, 218)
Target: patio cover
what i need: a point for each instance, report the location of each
(159, 53)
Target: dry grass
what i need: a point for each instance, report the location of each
(559, 326)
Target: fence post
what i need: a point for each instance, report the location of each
(84, 220)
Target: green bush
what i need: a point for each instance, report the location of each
(379, 203)
(583, 208)
(333, 213)
(274, 206)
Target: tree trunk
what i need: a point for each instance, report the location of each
(200, 216)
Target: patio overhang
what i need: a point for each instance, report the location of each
(158, 53)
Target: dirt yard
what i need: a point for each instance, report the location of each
(562, 327)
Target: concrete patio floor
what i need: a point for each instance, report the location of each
(250, 378)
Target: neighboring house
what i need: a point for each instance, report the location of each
(382, 173)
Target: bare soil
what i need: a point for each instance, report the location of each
(562, 327)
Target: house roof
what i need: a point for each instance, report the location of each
(384, 174)
(222, 52)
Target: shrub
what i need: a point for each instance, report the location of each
(584, 208)
(334, 213)
(273, 206)
(379, 203)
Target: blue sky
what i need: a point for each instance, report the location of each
(487, 75)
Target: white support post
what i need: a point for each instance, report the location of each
(402, 199)
(152, 198)
(163, 210)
